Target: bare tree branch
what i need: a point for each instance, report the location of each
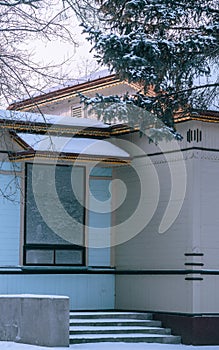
(25, 21)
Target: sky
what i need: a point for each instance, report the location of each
(80, 61)
(108, 346)
(58, 51)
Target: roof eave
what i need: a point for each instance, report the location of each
(60, 93)
(30, 155)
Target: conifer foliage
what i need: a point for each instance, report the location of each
(169, 48)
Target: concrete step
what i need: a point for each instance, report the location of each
(118, 330)
(114, 322)
(111, 314)
(128, 338)
(130, 327)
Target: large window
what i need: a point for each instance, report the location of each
(54, 215)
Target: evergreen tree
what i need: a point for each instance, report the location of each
(169, 48)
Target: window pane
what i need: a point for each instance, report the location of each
(97, 171)
(54, 204)
(69, 257)
(39, 256)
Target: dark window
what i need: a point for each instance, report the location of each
(54, 215)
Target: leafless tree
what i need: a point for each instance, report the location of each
(25, 21)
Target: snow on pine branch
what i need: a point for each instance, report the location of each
(135, 110)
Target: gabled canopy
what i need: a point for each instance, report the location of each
(63, 138)
(71, 147)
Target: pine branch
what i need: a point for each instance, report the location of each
(192, 89)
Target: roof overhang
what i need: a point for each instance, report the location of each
(60, 148)
(65, 92)
(52, 124)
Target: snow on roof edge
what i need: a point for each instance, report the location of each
(16, 116)
(87, 146)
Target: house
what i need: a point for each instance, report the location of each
(107, 217)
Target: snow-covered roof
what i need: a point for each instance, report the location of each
(48, 135)
(27, 117)
(72, 145)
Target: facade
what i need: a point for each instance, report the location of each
(141, 229)
(46, 224)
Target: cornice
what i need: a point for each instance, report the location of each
(65, 130)
(66, 93)
(178, 155)
(57, 157)
(203, 116)
(40, 128)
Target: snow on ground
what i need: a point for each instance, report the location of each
(107, 346)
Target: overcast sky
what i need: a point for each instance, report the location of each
(79, 58)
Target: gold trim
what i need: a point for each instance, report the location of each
(57, 129)
(89, 131)
(81, 158)
(204, 118)
(71, 94)
(25, 155)
(125, 130)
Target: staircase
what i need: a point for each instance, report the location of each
(131, 327)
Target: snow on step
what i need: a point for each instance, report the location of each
(81, 320)
(93, 327)
(132, 335)
(129, 338)
(122, 328)
(110, 314)
(98, 313)
(114, 321)
(117, 329)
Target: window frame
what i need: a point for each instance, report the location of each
(53, 248)
(49, 246)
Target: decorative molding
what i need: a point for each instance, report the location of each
(180, 155)
(56, 129)
(32, 155)
(65, 130)
(66, 93)
(205, 116)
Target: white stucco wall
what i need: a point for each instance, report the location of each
(63, 107)
(195, 230)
